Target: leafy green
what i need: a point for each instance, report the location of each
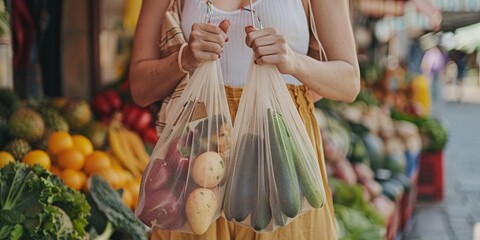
(34, 204)
(356, 225)
(352, 196)
(433, 131)
(110, 203)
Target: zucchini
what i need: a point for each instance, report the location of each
(278, 216)
(311, 189)
(283, 164)
(240, 189)
(261, 212)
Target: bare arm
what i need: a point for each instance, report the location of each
(152, 78)
(339, 77)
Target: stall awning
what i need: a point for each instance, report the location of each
(382, 8)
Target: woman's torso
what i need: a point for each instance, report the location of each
(286, 16)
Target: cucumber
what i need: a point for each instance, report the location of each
(240, 191)
(261, 212)
(278, 216)
(283, 164)
(312, 190)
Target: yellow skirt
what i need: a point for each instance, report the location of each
(317, 224)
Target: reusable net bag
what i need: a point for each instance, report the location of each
(273, 175)
(183, 185)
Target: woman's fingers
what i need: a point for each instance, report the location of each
(206, 41)
(225, 25)
(253, 35)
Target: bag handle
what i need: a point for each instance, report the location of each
(322, 54)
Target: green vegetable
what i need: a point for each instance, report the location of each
(107, 232)
(110, 203)
(356, 225)
(352, 196)
(375, 149)
(313, 192)
(241, 190)
(392, 188)
(261, 212)
(435, 133)
(284, 172)
(358, 153)
(396, 162)
(37, 205)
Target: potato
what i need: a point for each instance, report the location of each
(208, 169)
(200, 208)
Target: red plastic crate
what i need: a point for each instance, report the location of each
(409, 202)
(393, 225)
(431, 179)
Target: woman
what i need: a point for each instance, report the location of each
(283, 43)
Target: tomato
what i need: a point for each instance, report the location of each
(150, 135)
(144, 120)
(101, 105)
(130, 115)
(113, 99)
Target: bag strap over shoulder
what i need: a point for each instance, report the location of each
(171, 35)
(176, 6)
(315, 43)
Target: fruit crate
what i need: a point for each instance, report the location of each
(394, 223)
(409, 203)
(431, 176)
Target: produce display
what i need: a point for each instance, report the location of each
(64, 144)
(90, 158)
(368, 156)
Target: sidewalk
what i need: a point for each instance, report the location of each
(455, 217)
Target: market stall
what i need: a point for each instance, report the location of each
(93, 142)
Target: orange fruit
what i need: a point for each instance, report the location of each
(127, 198)
(72, 178)
(37, 157)
(84, 176)
(55, 170)
(59, 142)
(96, 161)
(82, 144)
(110, 176)
(122, 177)
(6, 158)
(133, 187)
(71, 158)
(86, 186)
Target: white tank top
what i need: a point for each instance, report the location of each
(287, 16)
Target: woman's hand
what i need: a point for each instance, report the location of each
(205, 44)
(270, 47)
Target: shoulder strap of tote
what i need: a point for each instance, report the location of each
(313, 29)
